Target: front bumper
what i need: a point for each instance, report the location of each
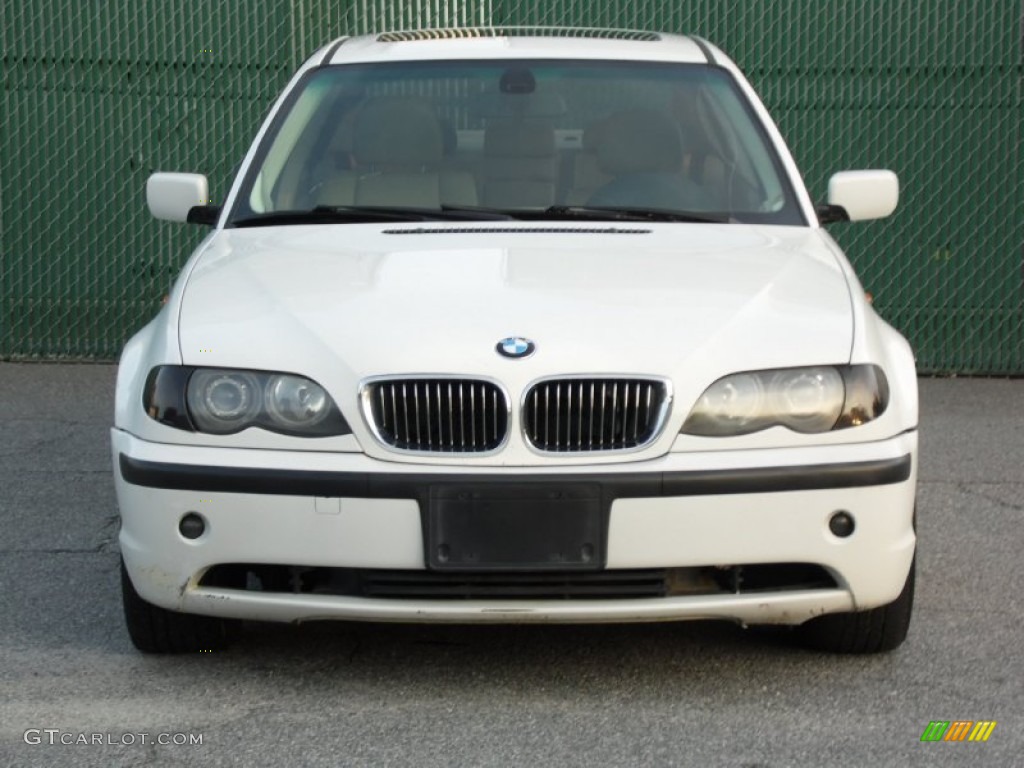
(350, 511)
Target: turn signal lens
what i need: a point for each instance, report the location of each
(867, 395)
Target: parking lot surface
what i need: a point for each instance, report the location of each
(702, 694)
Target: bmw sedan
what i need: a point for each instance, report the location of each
(518, 325)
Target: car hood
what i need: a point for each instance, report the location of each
(687, 302)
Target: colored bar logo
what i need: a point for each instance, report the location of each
(958, 730)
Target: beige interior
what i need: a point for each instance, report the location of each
(520, 166)
(394, 151)
(397, 153)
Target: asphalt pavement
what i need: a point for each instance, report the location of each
(700, 694)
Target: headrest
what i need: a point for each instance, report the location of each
(593, 136)
(641, 141)
(519, 138)
(540, 103)
(449, 137)
(396, 132)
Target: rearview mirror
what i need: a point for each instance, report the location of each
(860, 195)
(172, 196)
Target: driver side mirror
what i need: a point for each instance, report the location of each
(181, 197)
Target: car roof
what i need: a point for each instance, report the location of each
(519, 42)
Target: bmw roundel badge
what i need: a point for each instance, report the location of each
(516, 347)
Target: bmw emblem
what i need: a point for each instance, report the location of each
(516, 347)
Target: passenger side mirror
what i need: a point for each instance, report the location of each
(860, 196)
(181, 197)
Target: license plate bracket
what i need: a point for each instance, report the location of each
(515, 527)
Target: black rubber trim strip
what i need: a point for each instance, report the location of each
(705, 48)
(333, 49)
(378, 485)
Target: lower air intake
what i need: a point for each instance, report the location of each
(536, 585)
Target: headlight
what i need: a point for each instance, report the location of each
(223, 401)
(807, 400)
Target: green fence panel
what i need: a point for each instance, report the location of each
(96, 96)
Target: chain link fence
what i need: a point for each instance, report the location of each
(96, 96)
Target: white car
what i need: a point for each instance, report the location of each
(505, 325)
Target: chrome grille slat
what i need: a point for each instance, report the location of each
(483, 415)
(558, 414)
(579, 415)
(416, 392)
(590, 433)
(535, 396)
(547, 413)
(383, 410)
(636, 412)
(495, 415)
(472, 421)
(624, 409)
(405, 407)
(615, 411)
(462, 422)
(579, 422)
(394, 405)
(440, 421)
(451, 421)
(437, 415)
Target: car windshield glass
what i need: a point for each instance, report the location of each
(526, 138)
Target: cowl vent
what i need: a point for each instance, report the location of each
(471, 32)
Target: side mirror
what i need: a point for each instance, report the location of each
(180, 197)
(860, 195)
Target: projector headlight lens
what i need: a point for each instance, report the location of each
(223, 401)
(296, 402)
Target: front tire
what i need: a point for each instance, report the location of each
(156, 630)
(872, 631)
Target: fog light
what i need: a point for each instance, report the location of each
(192, 526)
(841, 524)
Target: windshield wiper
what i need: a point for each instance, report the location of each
(369, 214)
(470, 212)
(590, 213)
(325, 214)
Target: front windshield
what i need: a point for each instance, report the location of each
(531, 138)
